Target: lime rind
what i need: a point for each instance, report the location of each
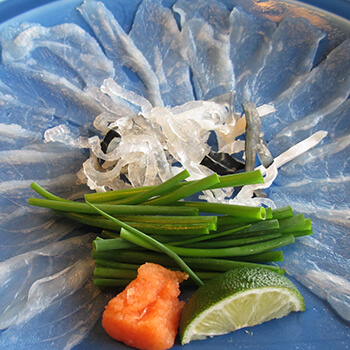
(237, 299)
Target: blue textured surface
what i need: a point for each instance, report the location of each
(319, 327)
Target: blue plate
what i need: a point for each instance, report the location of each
(319, 327)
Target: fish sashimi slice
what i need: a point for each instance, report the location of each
(292, 52)
(321, 91)
(28, 233)
(336, 123)
(213, 12)
(328, 162)
(318, 185)
(208, 59)
(14, 136)
(42, 49)
(321, 268)
(19, 274)
(54, 166)
(21, 106)
(53, 72)
(102, 22)
(156, 35)
(39, 161)
(121, 50)
(326, 199)
(38, 100)
(60, 311)
(250, 42)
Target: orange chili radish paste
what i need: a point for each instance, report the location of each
(145, 315)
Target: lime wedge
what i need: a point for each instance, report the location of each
(239, 298)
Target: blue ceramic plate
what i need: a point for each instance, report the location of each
(317, 184)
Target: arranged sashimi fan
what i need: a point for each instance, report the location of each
(171, 87)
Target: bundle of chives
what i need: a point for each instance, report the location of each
(155, 224)
(232, 180)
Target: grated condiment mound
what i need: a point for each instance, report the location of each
(146, 314)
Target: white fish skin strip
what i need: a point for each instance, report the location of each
(335, 122)
(271, 172)
(132, 100)
(152, 142)
(63, 134)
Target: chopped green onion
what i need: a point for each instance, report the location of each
(258, 213)
(234, 242)
(84, 208)
(147, 242)
(116, 264)
(156, 190)
(46, 194)
(232, 180)
(108, 272)
(112, 244)
(207, 237)
(234, 251)
(282, 213)
(185, 191)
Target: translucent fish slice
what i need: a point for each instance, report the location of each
(292, 52)
(20, 107)
(19, 274)
(28, 233)
(250, 42)
(33, 161)
(34, 99)
(213, 12)
(335, 122)
(15, 136)
(321, 91)
(70, 307)
(321, 269)
(209, 60)
(155, 33)
(328, 162)
(80, 53)
(53, 166)
(121, 50)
